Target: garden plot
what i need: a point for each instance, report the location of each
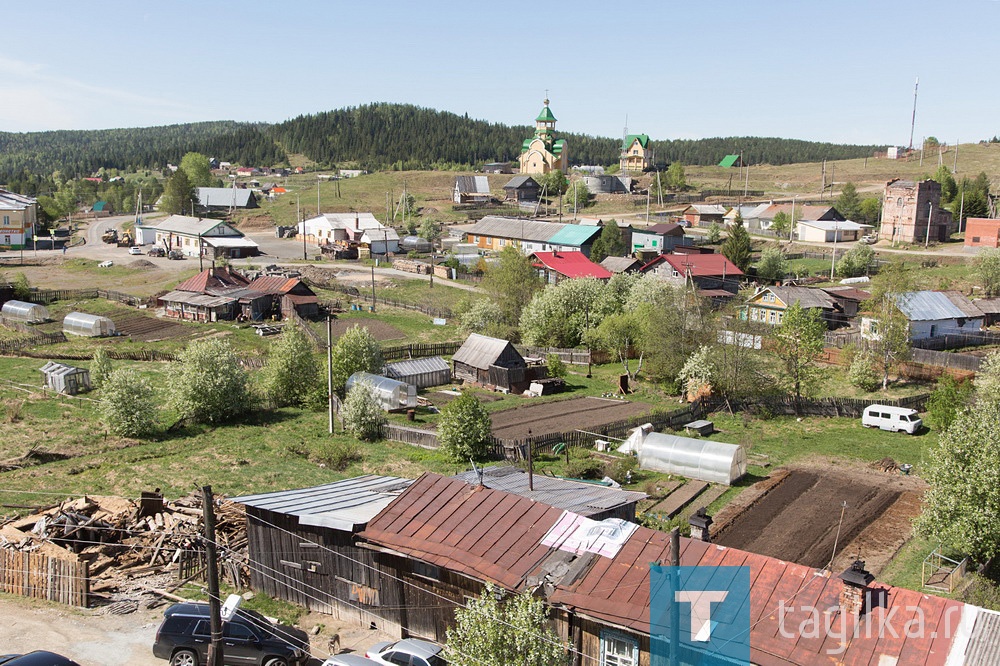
(563, 416)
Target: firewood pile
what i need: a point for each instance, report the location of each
(409, 266)
(885, 465)
(123, 540)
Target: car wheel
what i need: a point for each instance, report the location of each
(184, 658)
(275, 661)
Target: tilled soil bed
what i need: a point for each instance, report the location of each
(563, 416)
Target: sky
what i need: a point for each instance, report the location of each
(842, 72)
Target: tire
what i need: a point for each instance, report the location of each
(275, 661)
(184, 658)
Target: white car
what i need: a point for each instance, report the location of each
(349, 660)
(135, 249)
(407, 652)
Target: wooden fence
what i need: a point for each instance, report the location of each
(419, 350)
(946, 359)
(569, 356)
(149, 355)
(18, 346)
(39, 576)
(958, 340)
(427, 439)
(786, 405)
(360, 294)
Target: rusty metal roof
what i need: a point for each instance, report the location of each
(495, 536)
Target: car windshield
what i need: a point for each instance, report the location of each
(912, 417)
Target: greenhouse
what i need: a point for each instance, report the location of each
(415, 244)
(420, 372)
(391, 394)
(702, 459)
(30, 313)
(88, 325)
(65, 378)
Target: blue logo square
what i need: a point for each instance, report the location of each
(699, 616)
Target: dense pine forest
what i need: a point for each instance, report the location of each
(374, 136)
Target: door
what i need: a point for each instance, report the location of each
(240, 645)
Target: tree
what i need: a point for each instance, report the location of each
(484, 316)
(100, 367)
(554, 183)
(675, 177)
(773, 264)
(987, 381)
(620, 334)
(948, 186)
(22, 288)
(856, 261)
(962, 504)
(609, 244)
(555, 365)
(987, 269)
(578, 196)
(889, 336)
(465, 428)
(430, 230)
(207, 384)
(697, 371)
(291, 373)
(178, 194)
(738, 362)
(356, 350)
(714, 233)
(798, 343)
(561, 315)
(870, 210)
(863, 373)
(737, 247)
(197, 168)
(511, 282)
(363, 416)
(848, 203)
(948, 400)
(782, 223)
(128, 404)
(490, 631)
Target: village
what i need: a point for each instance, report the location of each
(536, 380)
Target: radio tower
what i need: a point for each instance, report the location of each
(913, 119)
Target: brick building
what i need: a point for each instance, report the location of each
(909, 207)
(982, 232)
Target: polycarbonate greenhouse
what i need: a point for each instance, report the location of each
(391, 394)
(88, 325)
(65, 378)
(30, 313)
(702, 459)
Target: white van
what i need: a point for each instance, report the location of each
(893, 419)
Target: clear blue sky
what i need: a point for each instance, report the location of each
(833, 71)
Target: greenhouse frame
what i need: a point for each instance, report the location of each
(30, 313)
(702, 459)
(88, 325)
(65, 378)
(416, 244)
(391, 394)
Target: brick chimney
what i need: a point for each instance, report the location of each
(853, 593)
(700, 521)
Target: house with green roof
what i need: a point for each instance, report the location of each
(544, 152)
(732, 161)
(636, 154)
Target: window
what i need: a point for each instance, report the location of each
(6, 220)
(237, 631)
(772, 317)
(975, 239)
(618, 649)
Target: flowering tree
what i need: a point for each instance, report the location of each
(465, 428)
(208, 384)
(128, 404)
(291, 372)
(363, 416)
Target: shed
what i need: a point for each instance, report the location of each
(392, 394)
(88, 325)
(420, 372)
(489, 361)
(415, 244)
(31, 313)
(65, 378)
(702, 459)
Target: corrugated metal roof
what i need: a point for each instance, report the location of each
(480, 351)
(702, 265)
(191, 298)
(621, 264)
(228, 241)
(586, 499)
(187, 225)
(342, 505)
(14, 201)
(416, 366)
(512, 227)
(223, 196)
(472, 184)
(572, 265)
(574, 234)
(806, 298)
(491, 535)
(213, 279)
(984, 643)
(927, 306)
(661, 229)
(521, 181)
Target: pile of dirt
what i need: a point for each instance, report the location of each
(256, 223)
(142, 265)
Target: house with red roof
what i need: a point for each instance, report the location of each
(224, 294)
(442, 540)
(713, 275)
(554, 267)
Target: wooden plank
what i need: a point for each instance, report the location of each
(680, 498)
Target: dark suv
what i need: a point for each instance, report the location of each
(248, 638)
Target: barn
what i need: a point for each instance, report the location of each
(493, 362)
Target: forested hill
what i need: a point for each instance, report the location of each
(77, 153)
(374, 136)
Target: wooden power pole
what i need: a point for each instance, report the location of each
(215, 611)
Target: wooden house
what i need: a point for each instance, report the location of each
(768, 304)
(471, 189)
(636, 155)
(302, 546)
(288, 295)
(659, 237)
(521, 188)
(703, 215)
(493, 363)
(197, 236)
(554, 267)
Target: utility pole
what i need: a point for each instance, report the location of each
(373, 288)
(746, 183)
(913, 119)
(215, 612)
(961, 212)
(791, 221)
(822, 191)
(927, 238)
(833, 259)
(329, 366)
(954, 169)
(647, 207)
(317, 197)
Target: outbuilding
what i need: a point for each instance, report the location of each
(88, 325)
(702, 459)
(22, 311)
(492, 362)
(390, 393)
(65, 378)
(420, 372)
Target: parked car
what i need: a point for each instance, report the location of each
(349, 660)
(893, 419)
(157, 251)
(869, 239)
(407, 652)
(36, 658)
(135, 249)
(248, 638)
(175, 254)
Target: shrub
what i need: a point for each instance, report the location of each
(947, 400)
(363, 416)
(585, 468)
(128, 404)
(337, 454)
(13, 410)
(357, 350)
(465, 428)
(208, 385)
(555, 365)
(100, 367)
(863, 372)
(619, 468)
(291, 372)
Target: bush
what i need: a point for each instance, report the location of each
(22, 289)
(947, 400)
(100, 367)
(585, 468)
(208, 385)
(291, 373)
(337, 454)
(555, 365)
(128, 404)
(357, 350)
(619, 469)
(363, 416)
(465, 428)
(863, 372)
